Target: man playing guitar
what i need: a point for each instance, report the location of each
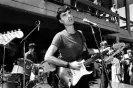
(71, 44)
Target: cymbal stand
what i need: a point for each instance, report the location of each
(104, 71)
(24, 40)
(3, 63)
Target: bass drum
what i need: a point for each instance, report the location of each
(42, 85)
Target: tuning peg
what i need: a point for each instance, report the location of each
(11, 33)
(8, 34)
(20, 33)
(5, 37)
(14, 33)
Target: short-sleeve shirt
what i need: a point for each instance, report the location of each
(70, 46)
(31, 57)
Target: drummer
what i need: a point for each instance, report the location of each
(31, 54)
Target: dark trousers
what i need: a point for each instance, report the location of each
(126, 74)
(131, 79)
(104, 79)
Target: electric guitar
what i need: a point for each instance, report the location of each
(9, 36)
(70, 77)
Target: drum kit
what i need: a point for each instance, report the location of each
(36, 75)
(25, 73)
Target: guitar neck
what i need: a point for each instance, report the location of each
(92, 59)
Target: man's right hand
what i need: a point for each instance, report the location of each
(75, 65)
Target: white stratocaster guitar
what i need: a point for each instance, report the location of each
(9, 36)
(71, 77)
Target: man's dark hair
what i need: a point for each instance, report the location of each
(61, 10)
(32, 45)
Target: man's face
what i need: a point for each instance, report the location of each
(66, 18)
(129, 53)
(32, 50)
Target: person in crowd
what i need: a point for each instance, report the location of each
(131, 69)
(71, 44)
(97, 12)
(126, 62)
(105, 69)
(115, 69)
(114, 10)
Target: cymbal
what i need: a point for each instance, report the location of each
(11, 48)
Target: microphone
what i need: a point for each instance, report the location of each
(39, 24)
(87, 21)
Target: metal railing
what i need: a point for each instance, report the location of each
(90, 7)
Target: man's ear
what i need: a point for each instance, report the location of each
(60, 21)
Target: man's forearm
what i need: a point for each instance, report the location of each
(56, 61)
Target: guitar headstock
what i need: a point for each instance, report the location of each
(118, 45)
(5, 38)
(18, 33)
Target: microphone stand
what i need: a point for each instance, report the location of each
(4, 47)
(24, 40)
(103, 63)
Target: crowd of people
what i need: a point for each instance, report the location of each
(102, 14)
(97, 12)
(119, 69)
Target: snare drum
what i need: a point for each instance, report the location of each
(28, 65)
(42, 85)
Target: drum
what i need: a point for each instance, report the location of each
(35, 68)
(42, 85)
(17, 70)
(41, 76)
(47, 67)
(4, 77)
(28, 65)
(15, 78)
(31, 84)
(9, 85)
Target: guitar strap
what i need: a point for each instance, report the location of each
(84, 43)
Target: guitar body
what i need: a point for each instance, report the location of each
(71, 77)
